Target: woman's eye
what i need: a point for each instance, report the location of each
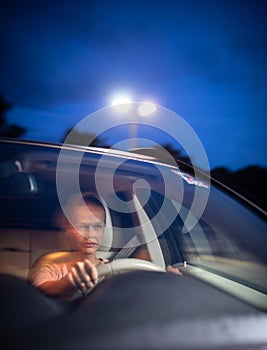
(98, 227)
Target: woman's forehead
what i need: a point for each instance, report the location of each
(89, 211)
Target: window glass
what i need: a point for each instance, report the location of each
(217, 242)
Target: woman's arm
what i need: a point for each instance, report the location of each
(57, 281)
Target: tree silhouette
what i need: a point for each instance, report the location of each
(8, 130)
(249, 182)
(75, 137)
(165, 153)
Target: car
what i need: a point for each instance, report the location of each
(159, 214)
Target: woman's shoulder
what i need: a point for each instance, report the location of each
(61, 257)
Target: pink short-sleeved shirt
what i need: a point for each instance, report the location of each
(51, 272)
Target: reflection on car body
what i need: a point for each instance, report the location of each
(219, 301)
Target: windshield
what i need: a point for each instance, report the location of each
(151, 221)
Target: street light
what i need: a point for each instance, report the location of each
(146, 108)
(123, 104)
(120, 100)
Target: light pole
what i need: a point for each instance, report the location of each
(123, 104)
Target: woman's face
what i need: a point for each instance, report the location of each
(88, 229)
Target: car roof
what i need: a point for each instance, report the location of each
(98, 150)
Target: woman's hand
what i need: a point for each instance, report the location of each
(83, 276)
(172, 269)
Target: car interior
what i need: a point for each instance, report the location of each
(30, 212)
(209, 256)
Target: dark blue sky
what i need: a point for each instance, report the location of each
(204, 60)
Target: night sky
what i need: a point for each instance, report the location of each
(204, 60)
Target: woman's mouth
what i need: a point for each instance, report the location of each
(89, 244)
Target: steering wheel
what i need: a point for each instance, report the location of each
(125, 265)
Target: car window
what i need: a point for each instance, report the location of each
(228, 238)
(216, 243)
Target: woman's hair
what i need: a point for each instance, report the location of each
(83, 198)
(89, 199)
(79, 199)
